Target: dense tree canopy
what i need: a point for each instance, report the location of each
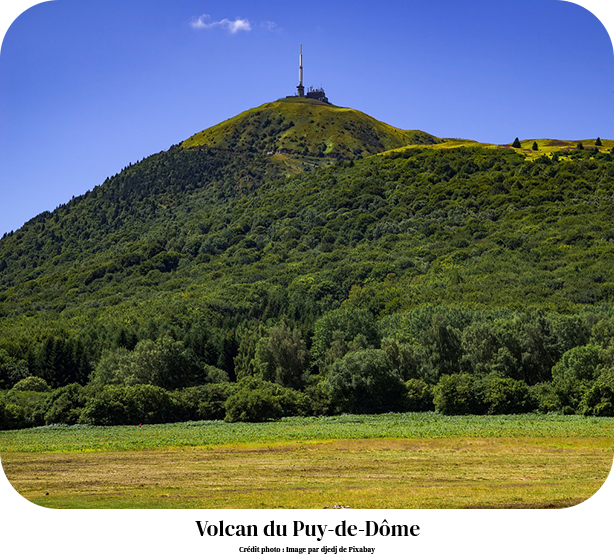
(454, 278)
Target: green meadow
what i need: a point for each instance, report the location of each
(361, 461)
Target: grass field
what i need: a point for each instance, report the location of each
(545, 146)
(386, 461)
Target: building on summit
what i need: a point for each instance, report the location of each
(314, 93)
(317, 94)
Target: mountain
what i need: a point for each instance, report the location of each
(212, 168)
(306, 127)
(296, 210)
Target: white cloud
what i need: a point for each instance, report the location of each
(270, 26)
(233, 27)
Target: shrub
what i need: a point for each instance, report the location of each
(419, 396)
(31, 383)
(257, 400)
(111, 406)
(203, 402)
(558, 396)
(570, 394)
(364, 382)
(253, 405)
(118, 405)
(457, 394)
(153, 404)
(213, 404)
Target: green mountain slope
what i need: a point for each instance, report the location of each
(211, 243)
(307, 128)
(464, 225)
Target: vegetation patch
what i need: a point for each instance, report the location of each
(78, 438)
(360, 473)
(306, 128)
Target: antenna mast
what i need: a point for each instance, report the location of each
(300, 88)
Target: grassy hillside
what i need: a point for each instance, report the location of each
(547, 147)
(306, 127)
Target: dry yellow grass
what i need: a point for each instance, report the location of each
(361, 473)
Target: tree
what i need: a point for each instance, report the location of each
(65, 404)
(516, 143)
(257, 400)
(12, 370)
(535, 147)
(490, 346)
(538, 346)
(345, 325)
(598, 142)
(578, 363)
(212, 374)
(580, 146)
(444, 345)
(458, 394)
(365, 382)
(112, 368)
(599, 398)
(503, 395)
(282, 357)
(419, 396)
(403, 357)
(31, 383)
(118, 405)
(165, 363)
(62, 361)
(126, 338)
(249, 338)
(201, 340)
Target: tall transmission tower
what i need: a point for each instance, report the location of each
(300, 88)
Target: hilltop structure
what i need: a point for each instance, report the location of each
(313, 93)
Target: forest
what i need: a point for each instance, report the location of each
(202, 283)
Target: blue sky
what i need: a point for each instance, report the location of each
(87, 87)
